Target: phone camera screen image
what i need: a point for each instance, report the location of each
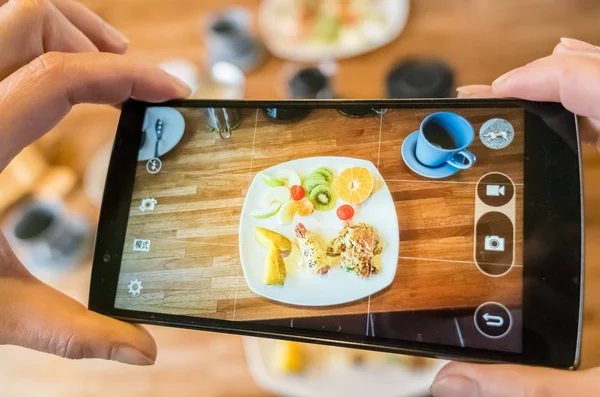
(393, 224)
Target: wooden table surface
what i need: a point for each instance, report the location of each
(193, 266)
(480, 39)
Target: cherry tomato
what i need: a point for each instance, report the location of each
(345, 212)
(297, 192)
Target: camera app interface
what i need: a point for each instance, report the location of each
(397, 224)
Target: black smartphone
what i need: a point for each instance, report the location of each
(446, 228)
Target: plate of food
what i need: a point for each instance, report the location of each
(312, 30)
(324, 225)
(301, 370)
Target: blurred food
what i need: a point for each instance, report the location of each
(299, 358)
(292, 357)
(30, 174)
(312, 30)
(327, 20)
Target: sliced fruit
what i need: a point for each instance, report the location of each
(289, 177)
(305, 208)
(268, 239)
(345, 212)
(270, 180)
(274, 271)
(354, 185)
(323, 198)
(291, 357)
(266, 212)
(280, 194)
(311, 182)
(285, 216)
(325, 173)
(297, 192)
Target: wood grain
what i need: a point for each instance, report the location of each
(193, 267)
(481, 39)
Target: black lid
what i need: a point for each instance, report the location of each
(308, 83)
(286, 115)
(418, 78)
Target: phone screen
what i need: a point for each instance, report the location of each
(399, 224)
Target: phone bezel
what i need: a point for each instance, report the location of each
(551, 204)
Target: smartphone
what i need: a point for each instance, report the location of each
(445, 228)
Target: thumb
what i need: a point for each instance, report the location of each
(35, 316)
(470, 380)
(41, 318)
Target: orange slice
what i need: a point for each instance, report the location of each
(305, 208)
(354, 185)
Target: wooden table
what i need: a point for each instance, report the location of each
(480, 39)
(193, 266)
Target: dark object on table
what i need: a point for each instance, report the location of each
(286, 115)
(309, 83)
(418, 78)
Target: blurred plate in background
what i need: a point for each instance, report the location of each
(288, 35)
(333, 373)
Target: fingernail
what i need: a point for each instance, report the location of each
(130, 355)
(184, 89)
(506, 76)
(463, 89)
(576, 45)
(454, 386)
(116, 36)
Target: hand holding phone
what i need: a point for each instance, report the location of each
(542, 81)
(38, 90)
(450, 250)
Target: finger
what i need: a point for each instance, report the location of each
(106, 37)
(569, 46)
(37, 96)
(572, 79)
(475, 91)
(469, 380)
(9, 263)
(29, 28)
(35, 316)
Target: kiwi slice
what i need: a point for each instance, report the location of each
(323, 198)
(327, 170)
(325, 173)
(312, 181)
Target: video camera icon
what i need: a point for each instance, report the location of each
(495, 190)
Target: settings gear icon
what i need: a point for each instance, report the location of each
(135, 287)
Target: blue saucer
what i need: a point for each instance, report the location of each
(410, 159)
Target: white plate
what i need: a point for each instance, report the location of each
(338, 286)
(380, 379)
(173, 129)
(275, 32)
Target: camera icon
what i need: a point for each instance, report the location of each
(494, 243)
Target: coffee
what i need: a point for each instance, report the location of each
(439, 136)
